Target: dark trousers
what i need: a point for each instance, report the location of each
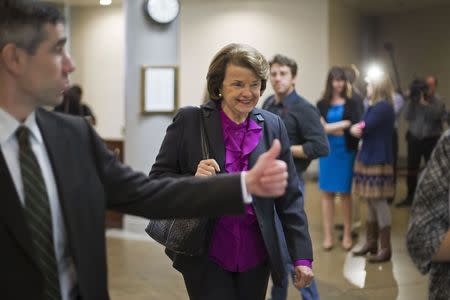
(206, 280)
(395, 152)
(417, 148)
(395, 157)
(281, 292)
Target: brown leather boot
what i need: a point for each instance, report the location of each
(371, 244)
(385, 251)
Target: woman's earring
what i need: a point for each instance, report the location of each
(220, 95)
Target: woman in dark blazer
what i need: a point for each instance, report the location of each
(338, 114)
(242, 250)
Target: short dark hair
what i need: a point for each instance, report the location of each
(75, 90)
(22, 22)
(285, 61)
(239, 55)
(417, 89)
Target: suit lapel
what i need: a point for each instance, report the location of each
(260, 149)
(61, 156)
(12, 212)
(214, 131)
(58, 149)
(262, 145)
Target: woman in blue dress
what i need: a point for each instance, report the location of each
(339, 113)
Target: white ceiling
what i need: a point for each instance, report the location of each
(371, 7)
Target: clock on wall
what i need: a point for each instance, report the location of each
(162, 11)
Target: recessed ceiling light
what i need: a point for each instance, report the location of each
(105, 2)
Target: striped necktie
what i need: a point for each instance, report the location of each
(38, 214)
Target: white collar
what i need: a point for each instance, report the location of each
(9, 125)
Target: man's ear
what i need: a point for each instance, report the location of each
(13, 58)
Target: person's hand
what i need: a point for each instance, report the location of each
(323, 122)
(423, 101)
(303, 276)
(207, 167)
(356, 130)
(268, 177)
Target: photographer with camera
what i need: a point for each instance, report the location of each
(425, 116)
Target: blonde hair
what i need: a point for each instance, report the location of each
(239, 55)
(382, 89)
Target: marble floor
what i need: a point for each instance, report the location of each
(139, 269)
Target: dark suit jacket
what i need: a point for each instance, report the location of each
(352, 112)
(302, 121)
(90, 179)
(181, 152)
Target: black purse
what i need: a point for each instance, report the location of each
(184, 236)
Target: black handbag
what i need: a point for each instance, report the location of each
(184, 236)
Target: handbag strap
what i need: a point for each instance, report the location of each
(204, 137)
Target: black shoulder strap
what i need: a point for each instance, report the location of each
(204, 136)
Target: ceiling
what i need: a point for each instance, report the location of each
(371, 7)
(379, 7)
(84, 2)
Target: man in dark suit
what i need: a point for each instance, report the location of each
(53, 206)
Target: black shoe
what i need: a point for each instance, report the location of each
(390, 200)
(405, 203)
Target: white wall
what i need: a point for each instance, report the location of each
(297, 28)
(146, 44)
(97, 46)
(344, 34)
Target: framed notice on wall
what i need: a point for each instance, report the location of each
(159, 89)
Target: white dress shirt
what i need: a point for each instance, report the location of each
(248, 199)
(10, 149)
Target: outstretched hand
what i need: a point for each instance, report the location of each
(268, 177)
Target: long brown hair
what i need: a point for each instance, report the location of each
(335, 73)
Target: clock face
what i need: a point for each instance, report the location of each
(163, 11)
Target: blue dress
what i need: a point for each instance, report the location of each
(336, 169)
